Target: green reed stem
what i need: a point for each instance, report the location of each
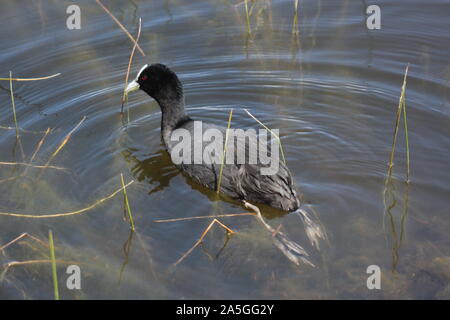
(224, 151)
(54, 274)
(13, 105)
(406, 138)
(247, 14)
(127, 203)
(400, 108)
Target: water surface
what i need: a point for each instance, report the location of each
(332, 91)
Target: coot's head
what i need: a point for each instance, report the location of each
(158, 81)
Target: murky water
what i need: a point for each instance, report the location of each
(332, 91)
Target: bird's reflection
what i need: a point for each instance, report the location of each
(158, 168)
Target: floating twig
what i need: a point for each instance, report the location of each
(30, 79)
(65, 214)
(229, 231)
(20, 129)
(206, 217)
(22, 236)
(28, 262)
(31, 165)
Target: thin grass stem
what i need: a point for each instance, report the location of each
(22, 236)
(64, 142)
(54, 273)
(406, 135)
(247, 14)
(13, 105)
(397, 122)
(224, 151)
(30, 79)
(30, 165)
(273, 133)
(205, 217)
(129, 68)
(121, 26)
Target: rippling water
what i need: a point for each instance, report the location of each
(332, 91)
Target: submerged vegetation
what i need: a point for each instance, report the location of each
(276, 234)
(127, 203)
(46, 256)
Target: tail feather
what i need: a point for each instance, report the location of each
(313, 229)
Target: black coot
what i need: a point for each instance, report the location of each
(239, 181)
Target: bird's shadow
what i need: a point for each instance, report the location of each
(158, 168)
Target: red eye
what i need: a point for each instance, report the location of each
(143, 78)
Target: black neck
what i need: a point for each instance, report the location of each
(172, 115)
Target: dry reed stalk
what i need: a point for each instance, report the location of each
(22, 236)
(29, 262)
(206, 217)
(121, 26)
(65, 214)
(13, 105)
(229, 231)
(30, 79)
(295, 23)
(64, 142)
(129, 68)
(40, 143)
(273, 133)
(31, 165)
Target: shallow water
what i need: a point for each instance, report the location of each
(332, 91)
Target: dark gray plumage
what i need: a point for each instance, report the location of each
(239, 181)
(244, 182)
